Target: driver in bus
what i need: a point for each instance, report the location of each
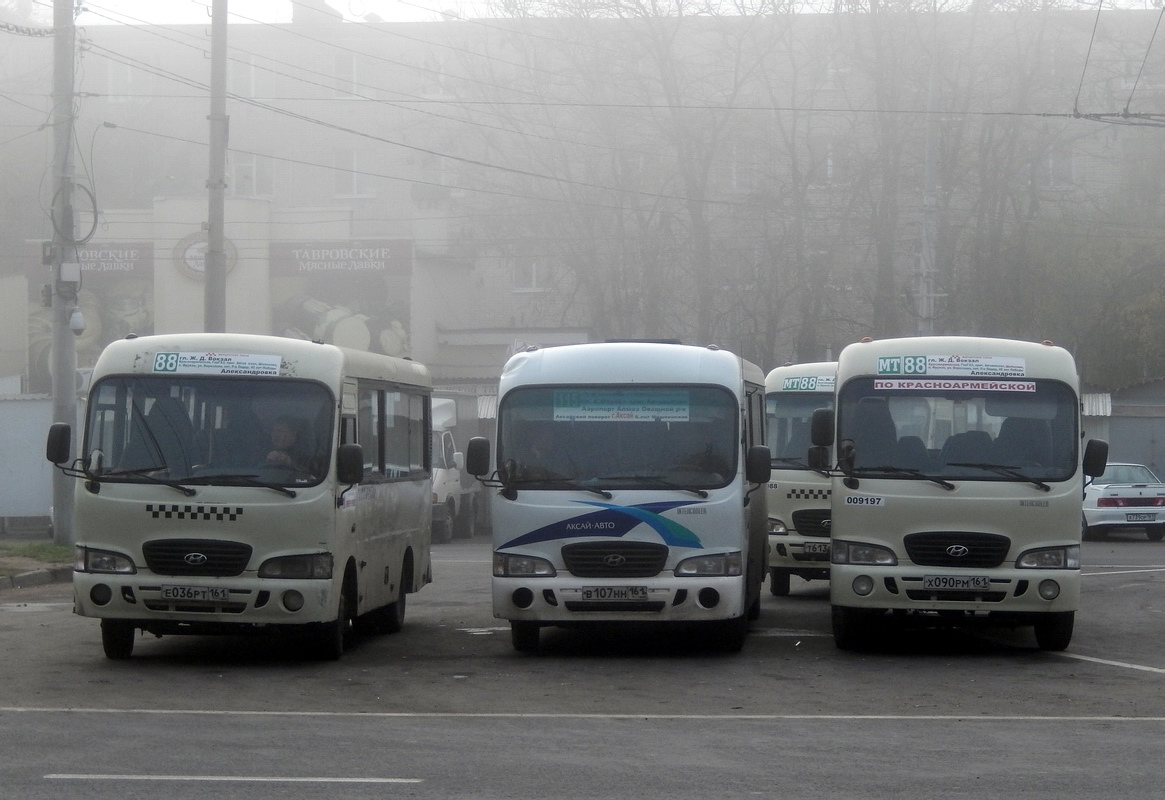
(285, 445)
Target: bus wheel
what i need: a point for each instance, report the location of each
(463, 526)
(779, 582)
(117, 638)
(330, 636)
(524, 636)
(730, 634)
(1054, 631)
(850, 627)
(394, 614)
(442, 530)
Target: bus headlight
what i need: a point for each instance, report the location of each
(710, 565)
(778, 527)
(1050, 558)
(86, 559)
(515, 566)
(310, 566)
(866, 554)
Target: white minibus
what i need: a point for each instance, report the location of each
(959, 488)
(629, 488)
(234, 483)
(798, 494)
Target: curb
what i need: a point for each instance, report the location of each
(39, 577)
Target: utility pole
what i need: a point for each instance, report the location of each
(925, 294)
(215, 273)
(66, 268)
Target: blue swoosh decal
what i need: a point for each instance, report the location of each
(615, 521)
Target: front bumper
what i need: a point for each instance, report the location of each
(902, 587)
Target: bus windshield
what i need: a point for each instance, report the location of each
(1021, 430)
(607, 437)
(209, 430)
(789, 415)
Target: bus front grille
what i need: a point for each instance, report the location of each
(812, 522)
(957, 549)
(614, 559)
(196, 557)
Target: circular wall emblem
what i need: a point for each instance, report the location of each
(190, 254)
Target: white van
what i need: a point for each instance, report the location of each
(960, 483)
(629, 481)
(798, 494)
(232, 483)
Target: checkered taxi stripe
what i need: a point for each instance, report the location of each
(809, 494)
(218, 513)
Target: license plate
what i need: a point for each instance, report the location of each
(956, 583)
(635, 594)
(816, 548)
(1142, 517)
(196, 594)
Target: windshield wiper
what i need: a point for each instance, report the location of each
(568, 483)
(796, 462)
(145, 473)
(655, 480)
(1003, 469)
(912, 472)
(246, 480)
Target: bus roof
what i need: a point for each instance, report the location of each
(958, 356)
(628, 362)
(299, 358)
(779, 379)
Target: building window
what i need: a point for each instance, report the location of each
(530, 276)
(252, 176)
(1055, 169)
(348, 180)
(345, 77)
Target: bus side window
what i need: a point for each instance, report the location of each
(368, 426)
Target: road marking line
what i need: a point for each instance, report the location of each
(582, 716)
(224, 778)
(1115, 571)
(1111, 663)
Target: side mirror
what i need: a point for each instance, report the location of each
(821, 427)
(845, 456)
(758, 464)
(60, 442)
(1095, 457)
(818, 458)
(477, 456)
(459, 460)
(350, 464)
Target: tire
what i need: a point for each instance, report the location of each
(394, 613)
(117, 638)
(850, 628)
(1054, 631)
(466, 522)
(330, 638)
(524, 636)
(1095, 533)
(442, 530)
(779, 582)
(1155, 532)
(730, 634)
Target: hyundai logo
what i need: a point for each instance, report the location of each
(614, 560)
(195, 559)
(827, 523)
(958, 550)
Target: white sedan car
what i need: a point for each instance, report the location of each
(1125, 496)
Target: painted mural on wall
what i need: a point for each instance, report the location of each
(354, 293)
(116, 296)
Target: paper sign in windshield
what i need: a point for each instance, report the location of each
(953, 366)
(621, 405)
(216, 364)
(809, 383)
(952, 385)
